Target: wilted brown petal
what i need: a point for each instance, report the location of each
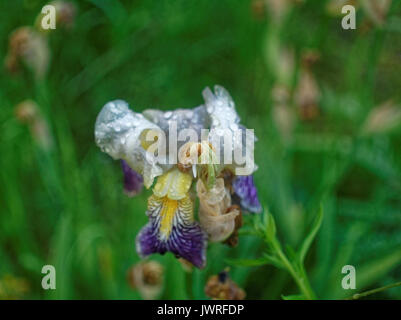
(232, 240)
(213, 215)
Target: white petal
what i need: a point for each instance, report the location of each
(225, 120)
(117, 133)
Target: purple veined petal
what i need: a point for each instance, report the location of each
(174, 230)
(244, 187)
(133, 181)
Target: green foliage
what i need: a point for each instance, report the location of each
(292, 262)
(64, 205)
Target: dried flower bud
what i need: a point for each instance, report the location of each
(382, 119)
(147, 278)
(282, 63)
(27, 112)
(309, 58)
(307, 95)
(278, 9)
(29, 47)
(221, 287)
(376, 10)
(280, 94)
(66, 12)
(284, 118)
(258, 8)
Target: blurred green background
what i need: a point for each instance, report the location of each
(324, 103)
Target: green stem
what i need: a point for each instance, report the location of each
(369, 292)
(299, 276)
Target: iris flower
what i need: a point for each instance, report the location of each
(172, 227)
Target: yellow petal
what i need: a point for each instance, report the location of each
(174, 184)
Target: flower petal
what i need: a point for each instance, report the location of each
(244, 187)
(220, 107)
(118, 131)
(174, 184)
(225, 120)
(172, 228)
(196, 118)
(133, 181)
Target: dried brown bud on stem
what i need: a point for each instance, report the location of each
(147, 278)
(221, 287)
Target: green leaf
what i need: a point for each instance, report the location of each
(113, 9)
(368, 274)
(274, 261)
(265, 260)
(291, 253)
(373, 270)
(270, 228)
(309, 238)
(259, 223)
(248, 262)
(248, 232)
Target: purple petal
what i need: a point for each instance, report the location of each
(133, 181)
(186, 238)
(245, 189)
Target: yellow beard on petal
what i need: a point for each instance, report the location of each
(167, 215)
